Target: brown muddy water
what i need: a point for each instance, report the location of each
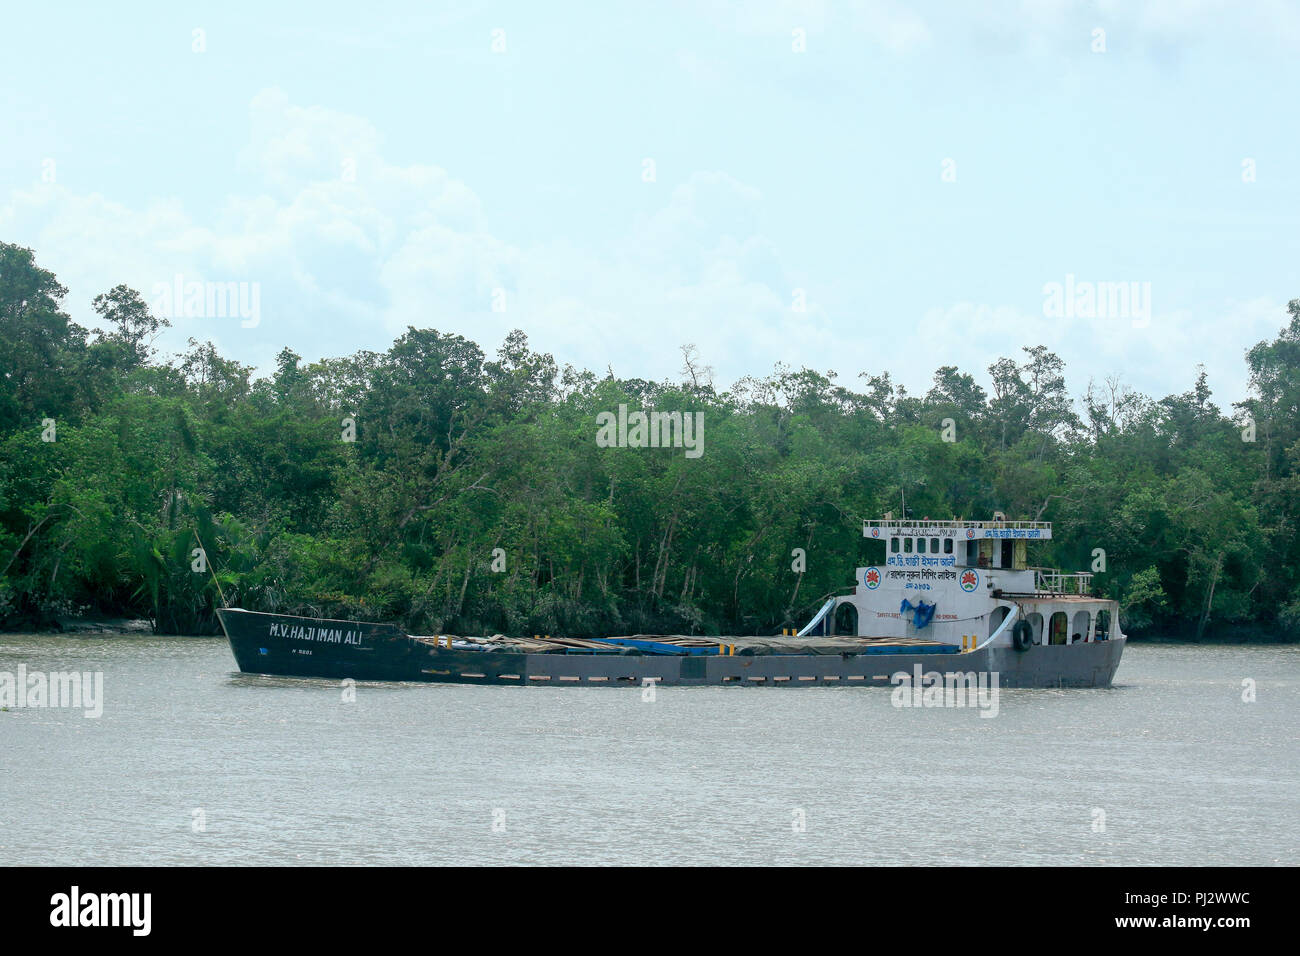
(190, 762)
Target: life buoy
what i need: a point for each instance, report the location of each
(1022, 636)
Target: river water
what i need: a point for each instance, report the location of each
(191, 762)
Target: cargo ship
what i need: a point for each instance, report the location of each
(945, 597)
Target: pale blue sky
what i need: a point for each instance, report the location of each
(774, 171)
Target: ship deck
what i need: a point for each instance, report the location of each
(678, 645)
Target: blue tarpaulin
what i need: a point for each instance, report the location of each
(922, 613)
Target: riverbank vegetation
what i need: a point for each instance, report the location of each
(460, 492)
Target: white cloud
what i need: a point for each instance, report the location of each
(347, 263)
(1157, 357)
(348, 249)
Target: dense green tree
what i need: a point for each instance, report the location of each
(455, 492)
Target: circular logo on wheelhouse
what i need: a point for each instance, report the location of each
(871, 578)
(970, 580)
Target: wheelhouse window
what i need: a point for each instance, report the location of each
(907, 545)
(920, 546)
(947, 545)
(934, 545)
(893, 546)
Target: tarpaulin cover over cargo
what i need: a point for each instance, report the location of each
(675, 644)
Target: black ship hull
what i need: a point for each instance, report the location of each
(291, 646)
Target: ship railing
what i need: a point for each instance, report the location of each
(1052, 581)
(931, 525)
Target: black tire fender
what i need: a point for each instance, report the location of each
(1022, 636)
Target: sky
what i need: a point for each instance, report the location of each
(856, 187)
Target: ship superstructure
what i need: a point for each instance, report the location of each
(959, 582)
